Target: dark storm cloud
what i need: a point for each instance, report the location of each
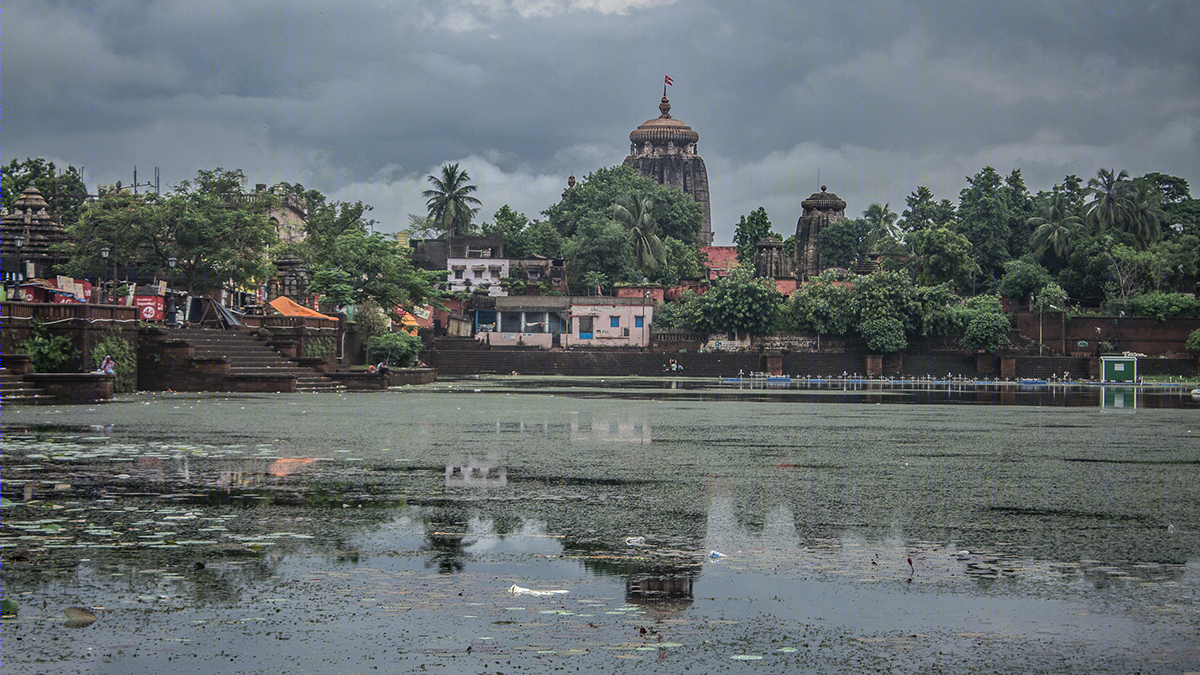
(363, 99)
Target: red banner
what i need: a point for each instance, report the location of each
(149, 307)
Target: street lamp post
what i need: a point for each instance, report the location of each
(171, 291)
(1064, 327)
(19, 242)
(104, 251)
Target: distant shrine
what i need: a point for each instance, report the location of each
(820, 210)
(664, 150)
(39, 232)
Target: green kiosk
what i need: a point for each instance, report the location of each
(1118, 369)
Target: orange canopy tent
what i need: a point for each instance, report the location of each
(287, 307)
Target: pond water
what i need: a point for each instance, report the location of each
(692, 526)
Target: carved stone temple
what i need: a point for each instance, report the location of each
(664, 150)
(820, 210)
(40, 234)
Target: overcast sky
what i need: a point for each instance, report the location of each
(363, 100)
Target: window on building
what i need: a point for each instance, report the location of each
(638, 322)
(458, 274)
(614, 322)
(478, 274)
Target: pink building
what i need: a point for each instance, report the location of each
(567, 321)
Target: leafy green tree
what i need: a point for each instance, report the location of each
(635, 212)
(399, 348)
(1146, 213)
(945, 257)
(363, 267)
(1108, 207)
(1129, 268)
(942, 312)
(1020, 209)
(113, 221)
(924, 212)
(984, 218)
(844, 243)
(987, 331)
(450, 202)
(506, 223)
(750, 230)
(883, 334)
(1182, 213)
(336, 286)
(677, 215)
(1023, 279)
(215, 235)
(1050, 297)
(1163, 306)
(882, 221)
(682, 262)
(1088, 269)
(884, 295)
(1054, 226)
(1071, 190)
(689, 313)
(820, 306)
(599, 246)
(64, 192)
(1193, 341)
(595, 281)
(540, 238)
(1180, 262)
(741, 302)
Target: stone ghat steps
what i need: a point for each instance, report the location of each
(249, 356)
(14, 389)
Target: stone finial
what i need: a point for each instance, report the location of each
(665, 107)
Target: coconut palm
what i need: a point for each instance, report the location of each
(1109, 205)
(634, 211)
(450, 203)
(1054, 227)
(883, 223)
(1146, 213)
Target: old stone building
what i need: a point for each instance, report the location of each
(664, 150)
(37, 232)
(820, 210)
(770, 259)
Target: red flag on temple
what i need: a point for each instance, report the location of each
(668, 81)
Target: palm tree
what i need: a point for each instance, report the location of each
(450, 202)
(634, 211)
(1146, 213)
(883, 223)
(1054, 227)
(1109, 207)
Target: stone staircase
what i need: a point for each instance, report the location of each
(15, 390)
(250, 356)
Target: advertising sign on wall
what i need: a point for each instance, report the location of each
(149, 307)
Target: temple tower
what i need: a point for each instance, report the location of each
(40, 233)
(664, 150)
(770, 259)
(821, 209)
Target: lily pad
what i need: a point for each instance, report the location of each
(77, 617)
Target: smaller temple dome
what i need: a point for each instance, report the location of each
(30, 201)
(664, 129)
(823, 201)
